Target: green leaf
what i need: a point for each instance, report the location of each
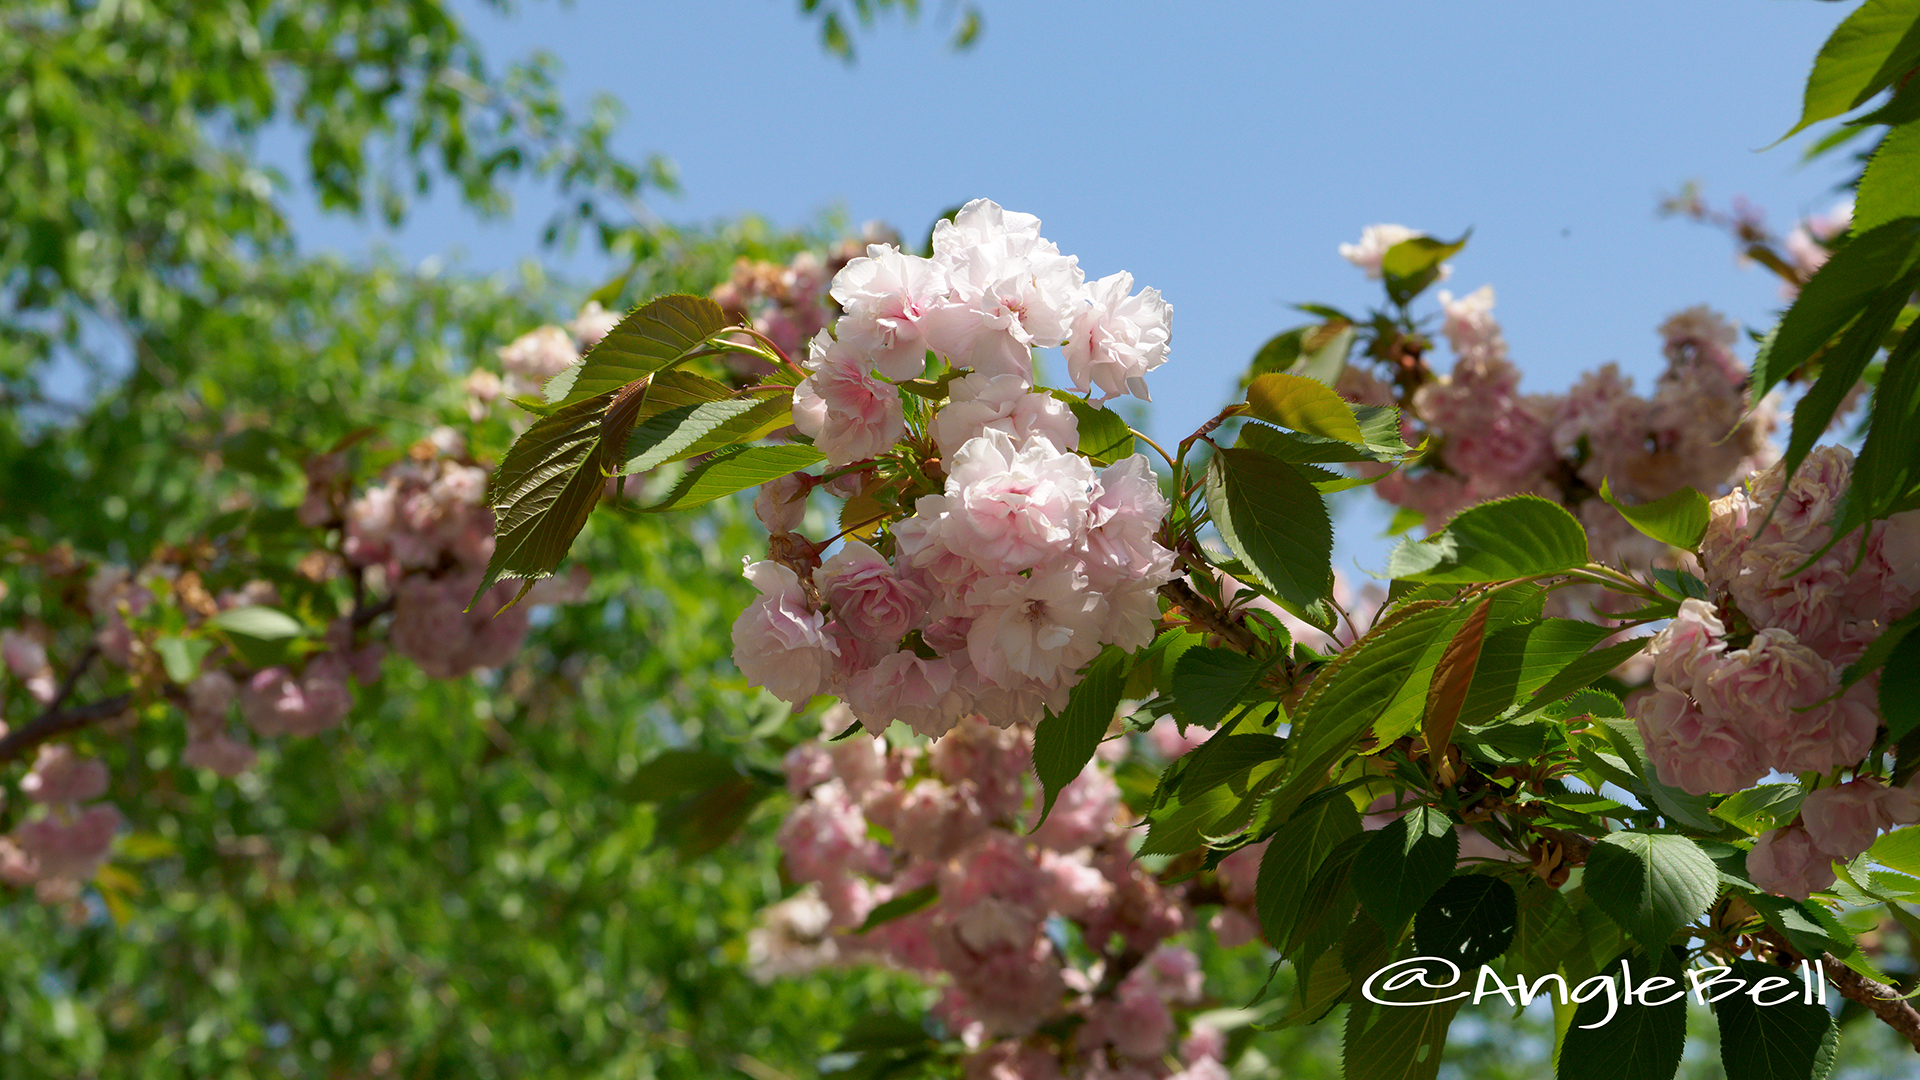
(181, 656)
(672, 774)
(1411, 265)
(1585, 670)
(1396, 1042)
(1290, 862)
(1208, 683)
(1317, 449)
(653, 337)
(881, 1031)
(1063, 744)
(1521, 659)
(1651, 884)
(725, 473)
(1640, 1042)
(1403, 863)
(1104, 435)
(1886, 472)
(1840, 370)
(258, 623)
(1348, 695)
(1898, 850)
(1876, 44)
(901, 906)
(1761, 809)
(1679, 519)
(1545, 928)
(1868, 265)
(699, 824)
(1470, 920)
(1887, 189)
(1881, 648)
(552, 477)
(1300, 403)
(1788, 1039)
(1269, 514)
(702, 428)
(1186, 818)
(1516, 537)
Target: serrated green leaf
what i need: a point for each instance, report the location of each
(1404, 863)
(1411, 265)
(1760, 809)
(1886, 472)
(1348, 695)
(1306, 406)
(725, 473)
(1679, 519)
(1898, 850)
(1876, 44)
(1841, 368)
(688, 430)
(1470, 920)
(1063, 744)
(1888, 190)
(1786, 1039)
(1845, 284)
(1396, 1042)
(1517, 537)
(653, 337)
(552, 477)
(1651, 884)
(1269, 514)
(1104, 435)
(1640, 1042)
(1545, 928)
(1291, 860)
(1208, 683)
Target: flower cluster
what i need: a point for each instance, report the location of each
(1007, 578)
(528, 361)
(66, 841)
(788, 302)
(1490, 440)
(425, 532)
(875, 824)
(1755, 684)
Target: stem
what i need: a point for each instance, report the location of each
(1201, 613)
(1156, 446)
(1881, 1000)
(56, 722)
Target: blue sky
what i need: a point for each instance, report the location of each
(1222, 152)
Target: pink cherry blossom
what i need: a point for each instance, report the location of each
(1118, 338)
(978, 404)
(867, 596)
(885, 295)
(850, 415)
(1788, 862)
(779, 642)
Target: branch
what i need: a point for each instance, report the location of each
(1201, 613)
(1880, 999)
(57, 722)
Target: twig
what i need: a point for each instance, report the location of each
(1879, 999)
(56, 722)
(1199, 611)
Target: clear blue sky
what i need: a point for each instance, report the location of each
(1221, 152)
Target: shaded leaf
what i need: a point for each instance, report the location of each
(1063, 744)
(1404, 862)
(725, 473)
(1269, 514)
(1651, 884)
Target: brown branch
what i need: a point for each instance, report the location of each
(1201, 613)
(57, 722)
(1879, 999)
